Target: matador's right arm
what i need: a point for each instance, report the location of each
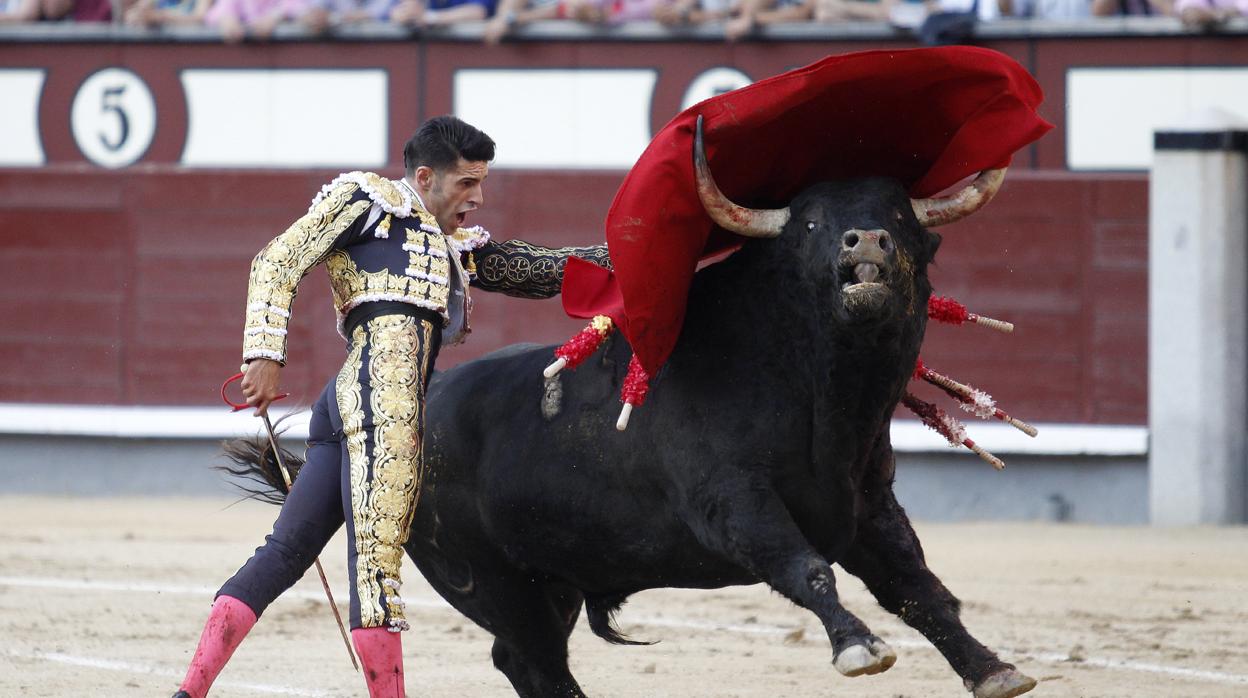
(275, 273)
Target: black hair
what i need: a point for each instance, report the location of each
(441, 141)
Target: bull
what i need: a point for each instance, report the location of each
(763, 454)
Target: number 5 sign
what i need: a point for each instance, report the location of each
(113, 117)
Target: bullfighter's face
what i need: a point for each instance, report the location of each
(863, 248)
(452, 193)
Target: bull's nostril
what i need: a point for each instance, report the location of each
(886, 243)
(851, 240)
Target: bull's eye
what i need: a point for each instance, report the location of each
(899, 216)
(810, 225)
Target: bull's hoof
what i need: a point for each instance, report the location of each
(1006, 683)
(870, 656)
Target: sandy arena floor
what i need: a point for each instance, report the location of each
(106, 597)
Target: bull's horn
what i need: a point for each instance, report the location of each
(751, 222)
(932, 212)
(948, 209)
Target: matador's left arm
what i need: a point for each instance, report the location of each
(520, 269)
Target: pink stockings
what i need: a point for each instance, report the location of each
(380, 651)
(381, 656)
(227, 625)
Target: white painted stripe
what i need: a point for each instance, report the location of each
(434, 602)
(286, 118)
(20, 144)
(129, 422)
(1046, 657)
(177, 589)
(135, 668)
(574, 118)
(1111, 113)
(1142, 667)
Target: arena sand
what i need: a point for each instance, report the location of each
(106, 597)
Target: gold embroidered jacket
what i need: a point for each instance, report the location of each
(379, 244)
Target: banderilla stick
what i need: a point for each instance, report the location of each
(277, 453)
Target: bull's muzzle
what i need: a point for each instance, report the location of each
(864, 261)
(865, 252)
(867, 245)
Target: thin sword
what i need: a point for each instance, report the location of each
(277, 453)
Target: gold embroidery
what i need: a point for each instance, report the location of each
(383, 496)
(351, 285)
(276, 271)
(350, 406)
(438, 266)
(473, 237)
(387, 190)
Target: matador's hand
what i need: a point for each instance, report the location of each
(260, 384)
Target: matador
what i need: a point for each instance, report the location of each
(400, 265)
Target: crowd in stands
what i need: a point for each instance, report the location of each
(256, 19)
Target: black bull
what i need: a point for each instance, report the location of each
(762, 455)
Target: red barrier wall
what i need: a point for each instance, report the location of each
(128, 287)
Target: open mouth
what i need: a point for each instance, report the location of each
(460, 218)
(866, 277)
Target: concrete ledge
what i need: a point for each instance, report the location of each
(942, 484)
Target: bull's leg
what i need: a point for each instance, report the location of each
(530, 621)
(749, 522)
(887, 557)
(531, 648)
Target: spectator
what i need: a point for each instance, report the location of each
(1112, 8)
(16, 11)
(752, 13)
(1207, 15)
(985, 10)
(854, 10)
(258, 18)
(90, 10)
(676, 12)
(512, 13)
(19, 11)
(1046, 9)
(436, 13)
(159, 13)
(321, 14)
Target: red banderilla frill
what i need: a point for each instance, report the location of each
(581, 346)
(948, 427)
(948, 310)
(633, 392)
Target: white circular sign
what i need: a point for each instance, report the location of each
(113, 117)
(713, 82)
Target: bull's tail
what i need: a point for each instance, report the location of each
(255, 468)
(601, 610)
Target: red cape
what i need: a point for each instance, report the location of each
(928, 117)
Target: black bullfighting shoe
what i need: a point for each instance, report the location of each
(181, 694)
